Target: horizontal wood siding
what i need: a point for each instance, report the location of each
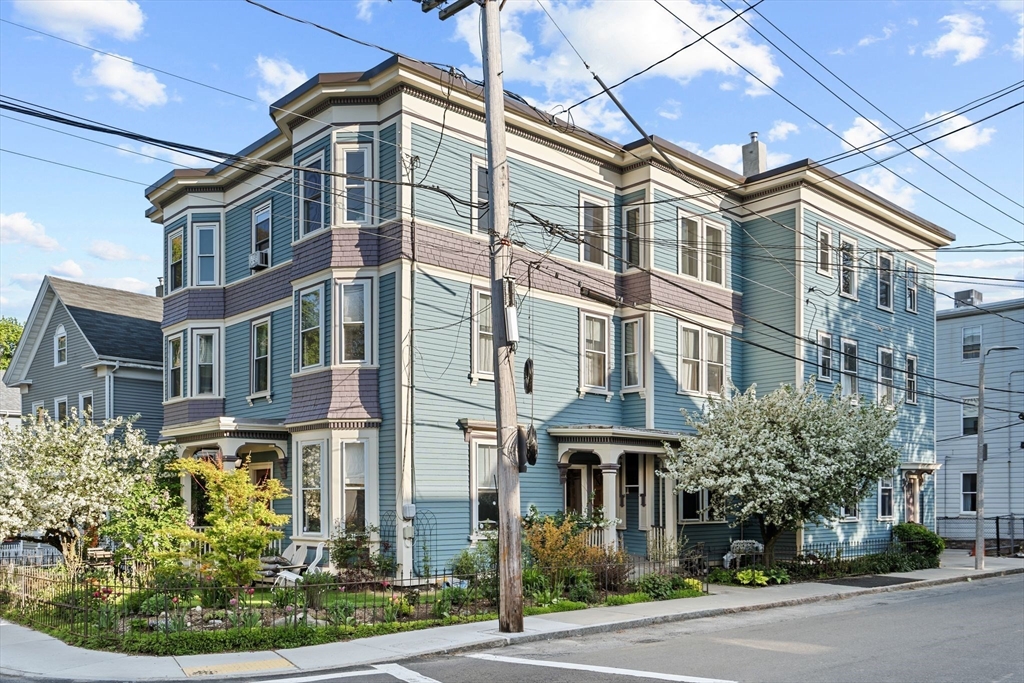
(238, 228)
(143, 398)
(237, 368)
(386, 377)
(388, 165)
(299, 158)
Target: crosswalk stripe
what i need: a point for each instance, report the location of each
(403, 674)
(598, 669)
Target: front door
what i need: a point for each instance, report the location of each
(912, 498)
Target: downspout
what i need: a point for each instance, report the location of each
(109, 407)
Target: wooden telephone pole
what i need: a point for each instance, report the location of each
(510, 607)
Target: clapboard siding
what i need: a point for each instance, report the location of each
(386, 377)
(238, 226)
(140, 397)
(237, 380)
(388, 165)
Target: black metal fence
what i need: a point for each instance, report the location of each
(1004, 534)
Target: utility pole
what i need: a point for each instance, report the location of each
(979, 514)
(510, 568)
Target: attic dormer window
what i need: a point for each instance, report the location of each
(60, 347)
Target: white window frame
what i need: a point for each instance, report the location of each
(366, 284)
(37, 408)
(474, 490)
(684, 247)
(912, 291)
(965, 401)
(196, 228)
(638, 346)
(255, 467)
(706, 362)
(683, 327)
(844, 513)
(974, 493)
(827, 270)
(892, 497)
(911, 379)
(855, 392)
(180, 338)
(60, 333)
(885, 393)
(981, 342)
(824, 354)
(881, 274)
(476, 356)
(639, 236)
(253, 393)
(588, 388)
(345, 487)
(703, 253)
(56, 407)
(298, 500)
(343, 150)
(179, 233)
(81, 405)
(269, 208)
(854, 284)
(705, 515)
(319, 289)
(606, 228)
(478, 218)
(705, 224)
(194, 362)
(303, 165)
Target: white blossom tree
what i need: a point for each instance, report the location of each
(63, 477)
(792, 456)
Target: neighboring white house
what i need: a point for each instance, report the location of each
(10, 405)
(963, 334)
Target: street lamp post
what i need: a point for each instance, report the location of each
(979, 507)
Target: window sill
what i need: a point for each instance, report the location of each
(309, 235)
(851, 297)
(849, 520)
(888, 520)
(824, 273)
(641, 391)
(692, 394)
(883, 308)
(310, 371)
(176, 399)
(583, 391)
(910, 310)
(476, 378)
(255, 397)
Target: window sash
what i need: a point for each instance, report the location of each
(713, 262)
(825, 357)
(60, 408)
(886, 391)
(968, 492)
(631, 343)
(355, 484)
(595, 350)
(593, 233)
(689, 263)
(971, 343)
(206, 255)
(205, 354)
(886, 502)
(824, 251)
(62, 349)
(884, 281)
(715, 355)
(176, 262)
(969, 416)
(354, 323)
(311, 480)
(261, 223)
(847, 268)
(260, 357)
(482, 198)
(690, 356)
(484, 342)
(695, 506)
(85, 406)
(312, 196)
(486, 485)
(911, 379)
(632, 231)
(849, 379)
(357, 195)
(911, 288)
(310, 324)
(849, 512)
(174, 354)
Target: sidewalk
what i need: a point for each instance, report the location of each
(26, 653)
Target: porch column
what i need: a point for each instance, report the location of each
(608, 472)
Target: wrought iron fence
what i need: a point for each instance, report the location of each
(1004, 534)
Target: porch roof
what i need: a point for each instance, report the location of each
(610, 434)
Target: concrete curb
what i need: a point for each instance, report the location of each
(504, 641)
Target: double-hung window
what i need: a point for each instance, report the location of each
(175, 389)
(689, 243)
(261, 222)
(485, 512)
(631, 235)
(312, 198)
(689, 359)
(849, 380)
(85, 406)
(968, 492)
(695, 506)
(481, 187)
(593, 239)
(702, 249)
(824, 251)
(176, 261)
(886, 504)
(847, 267)
(260, 374)
(354, 453)
(483, 334)
(60, 408)
(911, 287)
(971, 345)
(595, 352)
(969, 416)
(355, 321)
(713, 253)
(205, 371)
(824, 357)
(357, 185)
(206, 254)
(911, 379)
(715, 355)
(886, 390)
(311, 321)
(849, 513)
(60, 346)
(884, 280)
(632, 353)
(311, 480)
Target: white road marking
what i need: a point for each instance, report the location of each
(326, 677)
(600, 669)
(403, 674)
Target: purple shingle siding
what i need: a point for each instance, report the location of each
(338, 394)
(193, 410)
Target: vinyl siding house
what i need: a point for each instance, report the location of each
(10, 405)
(963, 334)
(335, 330)
(91, 349)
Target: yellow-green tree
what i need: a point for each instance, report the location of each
(241, 520)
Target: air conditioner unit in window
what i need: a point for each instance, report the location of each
(259, 260)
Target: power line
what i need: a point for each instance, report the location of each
(77, 168)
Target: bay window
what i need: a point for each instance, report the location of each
(261, 221)
(357, 186)
(632, 350)
(311, 320)
(355, 305)
(592, 233)
(354, 454)
(702, 244)
(311, 481)
(175, 389)
(631, 239)
(689, 240)
(713, 240)
(206, 254)
(176, 261)
(205, 354)
(481, 191)
(715, 362)
(689, 359)
(312, 198)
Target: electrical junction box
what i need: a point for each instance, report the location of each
(408, 510)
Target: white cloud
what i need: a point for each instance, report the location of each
(126, 83)
(965, 37)
(912, 21)
(670, 110)
(885, 184)
(364, 9)
(1017, 49)
(964, 140)
(67, 269)
(727, 86)
(144, 155)
(26, 281)
(617, 39)
(782, 130)
(110, 251)
(731, 155)
(277, 78)
(129, 284)
(984, 265)
(865, 132)
(81, 20)
(18, 228)
(887, 33)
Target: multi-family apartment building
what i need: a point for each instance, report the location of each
(964, 334)
(327, 312)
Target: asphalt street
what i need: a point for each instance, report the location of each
(962, 632)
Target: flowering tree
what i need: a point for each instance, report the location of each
(790, 457)
(63, 477)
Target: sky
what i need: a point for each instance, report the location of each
(203, 73)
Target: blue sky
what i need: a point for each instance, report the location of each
(915, 60)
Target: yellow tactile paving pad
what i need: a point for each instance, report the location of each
(237, 667)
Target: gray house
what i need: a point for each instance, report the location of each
(92, 349)
(10, 405)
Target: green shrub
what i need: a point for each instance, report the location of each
(684, 583)
(921, 540)
(751, 577)
(686, 593)
(627, 599)
(342, 613)
(777, 575)
(450, 601)
(214, 596)
(721, 575)
(283, 597)
(582, 587)
(314, 586)
(534, 580)
(155, 604)
(658, 586)
(560, 606)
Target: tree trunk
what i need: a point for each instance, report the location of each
(770, 533)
